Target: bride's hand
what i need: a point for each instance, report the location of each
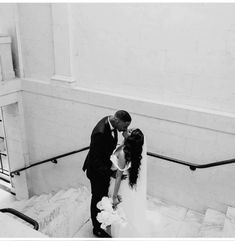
(119, 197)
(115, 202)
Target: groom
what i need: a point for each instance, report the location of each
(98, 165)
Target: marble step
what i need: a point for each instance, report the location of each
(166, 208)
(191, 224)
(73, 212)
(19, 205)
(163, 221)
(59, 214)
(41, 201)
(34, 203)
(229, 224)
(39, 208)
(57, 195)
(171, 221)
(213, 224)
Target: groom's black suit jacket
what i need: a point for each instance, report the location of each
(97, 162)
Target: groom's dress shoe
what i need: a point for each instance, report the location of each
(101, 233)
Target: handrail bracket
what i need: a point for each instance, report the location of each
(192, 168)
(17, 173)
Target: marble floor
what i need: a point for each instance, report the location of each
(165, 220)
(6, 198)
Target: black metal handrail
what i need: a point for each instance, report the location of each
(22, 216)
(53, 160)
(192, 166)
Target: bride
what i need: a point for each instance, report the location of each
(130, 159)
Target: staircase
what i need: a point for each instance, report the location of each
(66, 214)
(167, 220)
(59, 214)
(175, 221)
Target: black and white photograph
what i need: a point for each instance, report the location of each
(117, 120)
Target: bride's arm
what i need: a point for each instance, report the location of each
(121, 165)
(116, 187)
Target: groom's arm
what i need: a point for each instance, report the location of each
(98, 148)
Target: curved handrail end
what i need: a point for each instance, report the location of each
(22, 216)
(17, 173)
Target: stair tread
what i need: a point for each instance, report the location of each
(55, 211)
(231, 213)
(31, 203)
(213, 224)
(189, 229)
(169, 220)
(165, 208)
(56, 195)
(229, 224)
(194, 216)
(229, 228)
(214, 217)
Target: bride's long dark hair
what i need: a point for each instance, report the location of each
(133, 146)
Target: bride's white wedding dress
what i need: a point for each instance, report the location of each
(133, 201)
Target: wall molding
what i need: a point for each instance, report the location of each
(186, 115)
(62, 80)
(62, 40)
(9, 92)
(18, 42)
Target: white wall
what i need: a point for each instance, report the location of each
(65, 125)
(180, 53)
(170, 65)
(171, 52)
(36, 40)
(8, 21)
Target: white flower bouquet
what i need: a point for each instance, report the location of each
(108, 215)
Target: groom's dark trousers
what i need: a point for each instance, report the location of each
(98, 165)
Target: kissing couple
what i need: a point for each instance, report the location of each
(118, 172)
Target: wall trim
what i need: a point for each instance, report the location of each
(186, 115)
(62, 80)
(5, 39)
(8, 91)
